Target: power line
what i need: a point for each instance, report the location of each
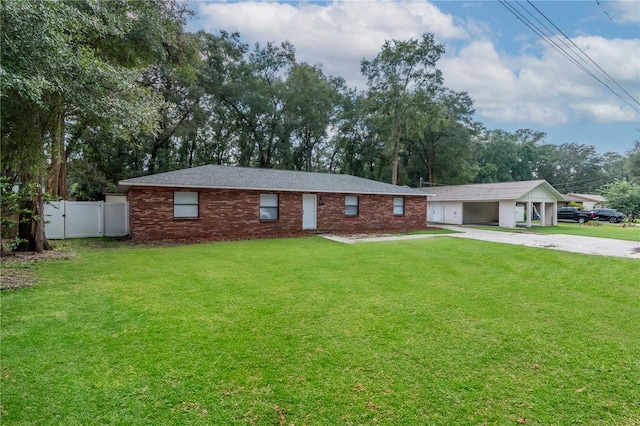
(548, 39)
(576, 60)
(585, 54)
(604, 10)
(571, 51)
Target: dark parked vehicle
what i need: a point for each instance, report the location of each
(574, 213)
(610, 215)
(569, 213)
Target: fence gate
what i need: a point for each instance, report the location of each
(54, 220)
(81, 219)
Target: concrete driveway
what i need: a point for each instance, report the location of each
(570, 243)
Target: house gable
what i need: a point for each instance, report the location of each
(540, 193)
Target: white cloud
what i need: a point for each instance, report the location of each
(625, 11)
(618, 57)
(546, 89)
(505, 89)
(606, 111)
(337, 35)
(531, 83)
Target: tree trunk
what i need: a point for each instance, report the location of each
(159, 143)
(395, 160)
(332, 160)
(62, 183)
(308, 149)
(31, 174)
(31, 227)
(56, 182)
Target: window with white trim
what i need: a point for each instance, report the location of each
(398, 206)
(351, 205)
(269, 206)
(185, 204)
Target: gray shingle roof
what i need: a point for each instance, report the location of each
(489, 191)
(572, 196)
(230, 177)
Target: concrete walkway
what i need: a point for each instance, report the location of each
(570, 243)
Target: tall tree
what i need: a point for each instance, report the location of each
(99, 158)
(74, 62)
(439, 136)
(547, 163)
(355, 147)
(174, 78)
(311, 102)
(223, 74)
(401, 69)
(623, 196)
(498, 156)
(633, 163)
(578, 169)
(250, 83)
(614, 167)
(528, 142)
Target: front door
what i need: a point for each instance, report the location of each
(437, 213)
(309, 211)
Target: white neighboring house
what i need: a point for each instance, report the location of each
(115, 197)
(506, 204)
(588, 201)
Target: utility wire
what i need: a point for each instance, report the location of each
(568, 51)
(548, 39)
(552, 39)
(573, 56)
(604, 10)
(585, 54)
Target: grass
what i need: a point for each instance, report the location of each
(593, 229)
(311, 332)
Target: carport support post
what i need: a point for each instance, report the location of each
(543, 209)
(529, 213)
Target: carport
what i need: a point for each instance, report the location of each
(505, 204)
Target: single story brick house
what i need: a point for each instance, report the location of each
(225, 203)
(506, 204)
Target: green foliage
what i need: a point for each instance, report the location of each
(95, 91)
(624, 197)
(401, 70)
(310, 107)
(580, 170)
(503, 156)
(13, 211)
(633, 163)
(498, 156)
(78, 56)
(69, 66)
(439, 136)
(307, 331)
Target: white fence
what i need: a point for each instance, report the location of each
(80, 219)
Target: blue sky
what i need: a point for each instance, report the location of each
(515, 78)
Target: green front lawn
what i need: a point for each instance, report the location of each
(593, 229)
(596, 229)
(306, 331)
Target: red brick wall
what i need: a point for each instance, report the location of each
(232, 214)
(375, 214)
